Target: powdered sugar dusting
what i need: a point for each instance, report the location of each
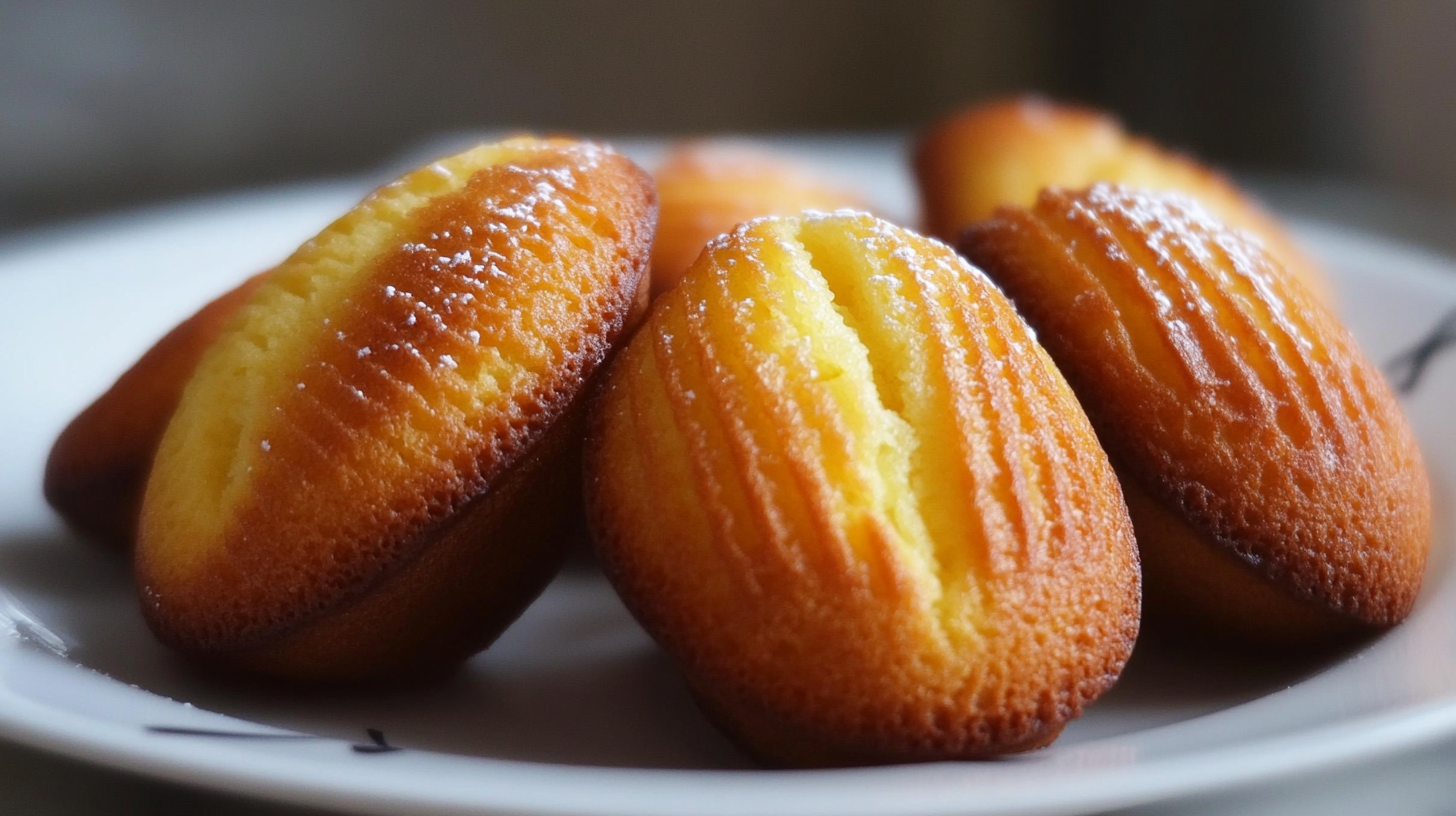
(451, 294)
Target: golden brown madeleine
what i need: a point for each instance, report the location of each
(840, 483)
(1276, 489)
(365, 475)
(707, 188)
(1005, 152)
(98, 467)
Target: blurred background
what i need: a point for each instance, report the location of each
(114, 103)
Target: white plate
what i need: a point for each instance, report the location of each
(574, 711)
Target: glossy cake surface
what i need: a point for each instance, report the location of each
(840, 483)
(1006, 152)
(389, 418)
(1262, 454)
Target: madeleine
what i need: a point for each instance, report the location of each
(97, 469)
(707, 188)
(365, 477)
(839, 482)
(1005, 152)
(1276, 488)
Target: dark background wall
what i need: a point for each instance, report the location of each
(116, 102)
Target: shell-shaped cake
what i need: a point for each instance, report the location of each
(98, 467)
(706, 188)
(366, 475)
(837, 479)
(1276, 487)
(1005, 152)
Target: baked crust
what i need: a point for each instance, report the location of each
(98, 467)
(1006, 152)
(366, 476)
(707, 188)
(1253, 437)
(836, 478)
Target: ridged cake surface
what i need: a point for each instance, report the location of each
(365, 476)
(1006, 152)
(837, 479)
(1276, 486)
